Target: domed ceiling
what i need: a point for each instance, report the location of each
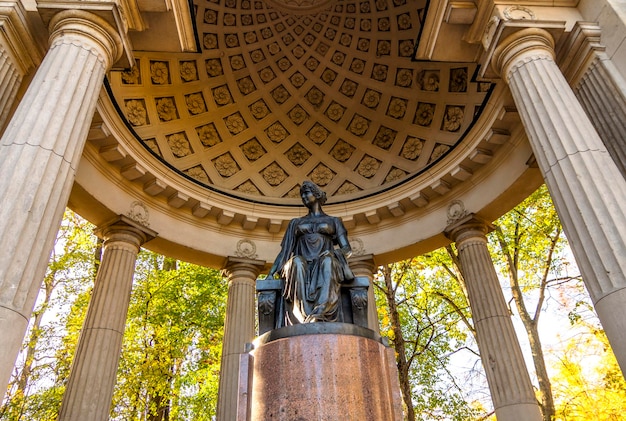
(287, 90)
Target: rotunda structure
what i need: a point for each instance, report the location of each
(190, 125)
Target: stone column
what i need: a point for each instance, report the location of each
(509, 383)
(39, 153)
(238, 329)
(90, 386)
(365, 266)
(588, 190)
(19, 54)
(598, 85)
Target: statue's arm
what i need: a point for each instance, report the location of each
(342, 239)
(287, 245)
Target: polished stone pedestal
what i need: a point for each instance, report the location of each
(319, 371)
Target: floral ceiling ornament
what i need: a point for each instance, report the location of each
(195, 103)
(214, 67)
(424, 114)
(368, 167)
(335, 111)
(210, 41)
(139, 213)
(248, 187)
(298, 155)
(342, 151)
(318, 134)
(253, 150)
(412, 148)
(259, 109)
(321, 175)
(359, 125)
(166, 109)
(347, 188)
(406, 47)
(280, 94)
(136, 112)
(237, 62)
(226, 165)
(371, 99)
(222, 95)
(428, 80)
(397, 107)
(395, 174)
(274, 174)
(132, 76)
(208, 135)
(235, 123)
(458, 80)
(179, 144)
(188, 71)
(159, 72)
(438, 152)
(315, 96)
(385, 137)
(297, 114)
(276, 132)
(198, 173)
(453, 118)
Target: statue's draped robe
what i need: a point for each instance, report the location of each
(313, 268)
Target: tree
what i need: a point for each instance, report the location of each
(531, 254)
(172, 344)
(70, 275)
(425, 315)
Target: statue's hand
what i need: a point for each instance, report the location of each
(347, 251)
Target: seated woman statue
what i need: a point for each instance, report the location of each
(310, 264)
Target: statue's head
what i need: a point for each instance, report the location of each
(310, 186)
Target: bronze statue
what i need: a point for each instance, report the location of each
(310, 264)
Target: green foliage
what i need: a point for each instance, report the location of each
(172, 343)
(588, 384)
(434, 324)
(170, 362)
(37, 387)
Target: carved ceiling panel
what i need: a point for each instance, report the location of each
(287, 90)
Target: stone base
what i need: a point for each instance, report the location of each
(321, 371)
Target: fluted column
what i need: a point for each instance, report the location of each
(19, 54)
(598, 85)
(509, 383)
(39, 153)
(10, 79)
(90, 386)
(238, 329)
(365, 266)
(588, 190)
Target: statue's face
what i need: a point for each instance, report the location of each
(308, 197)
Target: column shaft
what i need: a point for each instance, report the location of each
(509, 383)
(10, 80)
(92, 376)
(238, 330)
(602, 92)
(588, 190)
(39, 153)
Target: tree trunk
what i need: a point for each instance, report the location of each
(399, 344)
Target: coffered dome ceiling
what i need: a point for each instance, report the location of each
(288, 90)
(209, 147)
